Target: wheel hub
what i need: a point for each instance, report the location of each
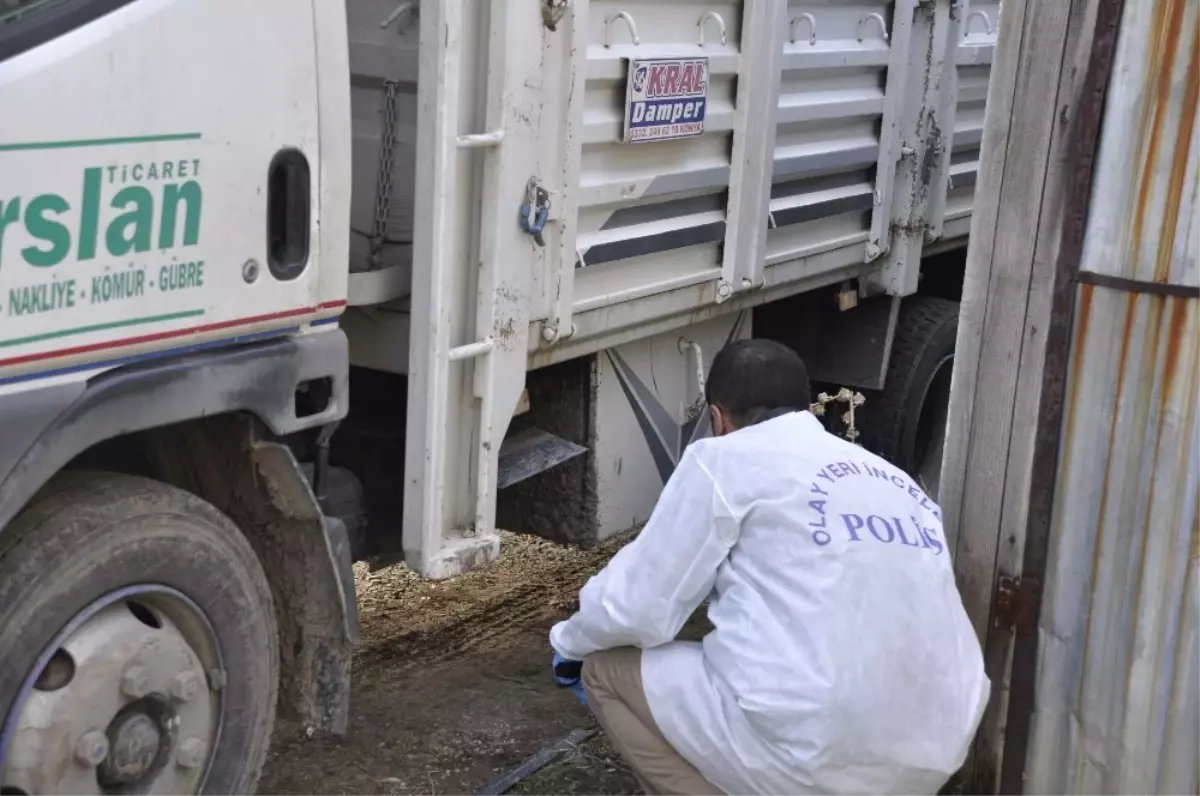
(136, 744)
(119, 702)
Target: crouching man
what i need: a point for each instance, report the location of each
(841, 661)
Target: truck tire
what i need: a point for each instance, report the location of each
(905, 423)
(138, 647)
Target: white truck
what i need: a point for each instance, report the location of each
(290, 283)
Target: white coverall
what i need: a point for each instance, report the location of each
(841, 661)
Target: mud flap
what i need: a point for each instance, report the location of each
(527, 453)
(259, 485)
(341, 555)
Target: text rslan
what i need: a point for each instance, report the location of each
(120, 210)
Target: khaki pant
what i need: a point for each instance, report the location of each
(613, 682)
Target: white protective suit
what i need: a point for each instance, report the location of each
(841, 661)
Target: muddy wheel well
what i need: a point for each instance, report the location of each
(227, 461)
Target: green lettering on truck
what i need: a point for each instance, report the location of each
(153, 212)
(47, 230)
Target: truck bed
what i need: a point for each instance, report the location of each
(639, 232)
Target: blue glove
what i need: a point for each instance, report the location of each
(568, 674)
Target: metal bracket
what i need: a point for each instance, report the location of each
(552, 13)
(1016, 604)
(697, 353)
(535, 210)
(937, 145)
(552, 335)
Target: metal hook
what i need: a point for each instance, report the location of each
(715, 17)
(629, 23)
(812, 27)
(987, 23)
(405, 10)
(697, 352)
(883, 31)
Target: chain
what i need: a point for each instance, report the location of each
(383, 181)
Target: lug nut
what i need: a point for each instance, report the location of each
(184, 686)
(191, 752)
(91, 748)
(135, 683)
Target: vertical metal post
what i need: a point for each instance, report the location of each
(891, 128)
(450, 482)
(947, 114)
(504, 277)
(562, 282)
(429, 394)
(922, 121)
(764, 25)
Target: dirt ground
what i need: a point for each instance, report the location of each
(453, 686)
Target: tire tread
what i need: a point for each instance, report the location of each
(920, 321)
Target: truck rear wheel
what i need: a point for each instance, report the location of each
(138, 648)
(906, 421)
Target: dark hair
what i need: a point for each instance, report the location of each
(749, 378)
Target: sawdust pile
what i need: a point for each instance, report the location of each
(404, 617)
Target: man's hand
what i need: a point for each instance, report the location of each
(568, 675)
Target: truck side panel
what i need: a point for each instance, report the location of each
(617, 201)
(649, 408)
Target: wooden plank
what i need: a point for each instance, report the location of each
(1015, 504)
(1021, 195)
(974, 543)
(993, 153)
(1042, 58)
(1014, 499)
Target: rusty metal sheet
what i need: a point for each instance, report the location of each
(1117, 705)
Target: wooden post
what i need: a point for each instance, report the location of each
(1037, 79)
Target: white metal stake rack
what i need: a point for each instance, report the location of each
(449, 518)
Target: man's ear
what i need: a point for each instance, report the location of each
(719, 427)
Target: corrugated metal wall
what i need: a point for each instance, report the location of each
(1118, 680)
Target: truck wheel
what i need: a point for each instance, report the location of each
(907, 423)
(138, 649)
